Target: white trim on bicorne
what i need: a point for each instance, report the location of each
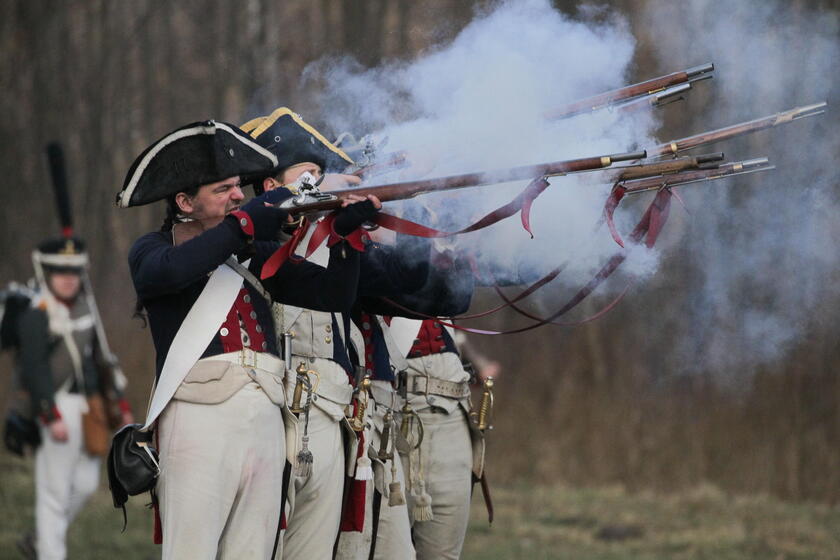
(58, 259)
(125, 195)
(249, 142)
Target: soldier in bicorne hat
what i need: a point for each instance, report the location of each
(219, 373)
(329, 493)
(432, 411)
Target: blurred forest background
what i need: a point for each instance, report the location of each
(604, 403)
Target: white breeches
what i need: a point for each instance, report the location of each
(65, 477)
(393, 540)
(315, 501)
(446, 463)
(220, 488)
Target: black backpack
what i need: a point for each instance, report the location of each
(14, 299)
(18, 431)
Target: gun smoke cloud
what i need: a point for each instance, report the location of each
(761, 250)
(479, 103)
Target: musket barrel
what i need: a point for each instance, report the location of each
(628, 156)
(672, 91)
(709, 158)
(625, 93)
(727, 132)
(701, 69)
(696, 175)
(809, 110)
(755, 162)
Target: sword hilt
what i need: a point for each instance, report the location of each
(358, 420)
(485, 409)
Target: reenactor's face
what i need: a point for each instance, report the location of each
(213, 201)
(65, 285)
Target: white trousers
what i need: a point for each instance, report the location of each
(315, 501)
(446, 459)
(393, 539)
(221, 481)
(65, 477)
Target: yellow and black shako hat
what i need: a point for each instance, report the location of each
(294, 141)
(196, 154)
(64, 254)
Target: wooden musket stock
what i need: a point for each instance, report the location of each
(409, 189)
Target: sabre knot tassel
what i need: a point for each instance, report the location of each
(422, 503)
(395, 494)
(364, 470)
(303, 468)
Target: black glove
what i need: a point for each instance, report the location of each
(350, 218)
(266, 219)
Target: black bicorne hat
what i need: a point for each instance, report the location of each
(294, 141)
(61, 254)
(193, 155)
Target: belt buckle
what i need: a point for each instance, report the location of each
(411, 385)
(243, 358)
(402, 384)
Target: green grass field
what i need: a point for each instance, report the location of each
(533, 522)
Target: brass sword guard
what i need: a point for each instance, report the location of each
(358, 420)
(301, 379)
(485, 409)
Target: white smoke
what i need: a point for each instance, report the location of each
(479, 103)
(762, 251)
(765, 249)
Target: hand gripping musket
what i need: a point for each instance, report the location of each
(696, 176)
(642, 89)
(310, 199)
(676, 146)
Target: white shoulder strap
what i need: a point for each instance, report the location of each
(404, 331)
(395, 351)
(200, 325)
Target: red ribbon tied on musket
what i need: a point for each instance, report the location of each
(324, 230)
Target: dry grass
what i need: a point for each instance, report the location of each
(532, 522)
(608, 523)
